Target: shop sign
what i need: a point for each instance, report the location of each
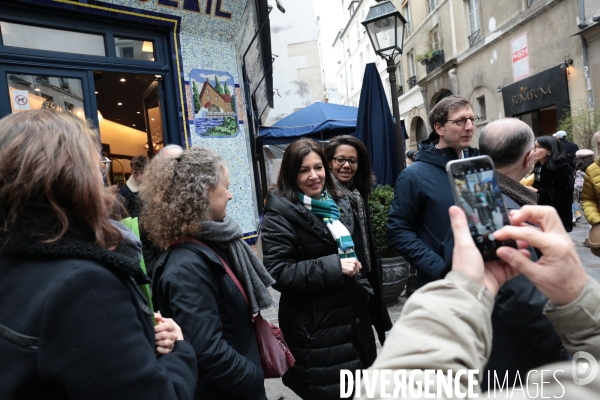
(528, 94)
(194, 6)
(520, 57)
(544, 89)
(214, 97)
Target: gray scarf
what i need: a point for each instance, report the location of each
(245, 265)
(358, 207)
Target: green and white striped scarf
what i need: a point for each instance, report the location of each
(327, 209)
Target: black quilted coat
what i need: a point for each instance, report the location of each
(317, 305)
(555, 188)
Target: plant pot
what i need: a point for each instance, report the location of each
(395, 276)
(412, 283)
(424, 61)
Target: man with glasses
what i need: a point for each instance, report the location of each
(418, 223)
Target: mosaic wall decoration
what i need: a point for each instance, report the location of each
(214, 99)
(206, 41)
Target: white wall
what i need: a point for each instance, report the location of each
(297, 76)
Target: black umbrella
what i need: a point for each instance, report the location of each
(375, 128)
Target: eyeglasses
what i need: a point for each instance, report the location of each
(462, 121)
(342, 160)
(105, 165)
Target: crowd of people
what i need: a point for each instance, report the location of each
(79, 324)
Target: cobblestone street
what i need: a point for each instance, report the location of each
(275, 389)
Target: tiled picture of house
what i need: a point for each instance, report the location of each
(215, 107)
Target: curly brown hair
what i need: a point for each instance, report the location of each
(176, 194)
(50, 182)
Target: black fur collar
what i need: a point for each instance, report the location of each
(121, 261)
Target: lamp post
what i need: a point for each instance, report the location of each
(385, 27)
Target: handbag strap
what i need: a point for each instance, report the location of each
(229, 271)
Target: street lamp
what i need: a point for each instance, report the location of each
(385, 27)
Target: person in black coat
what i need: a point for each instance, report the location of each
(318, 280)
(185, 200)
(129, 192)
(351, 168)
(74, 323)
(554, 179)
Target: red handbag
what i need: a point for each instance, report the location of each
(275, 355)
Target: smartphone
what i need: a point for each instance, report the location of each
(476, 191)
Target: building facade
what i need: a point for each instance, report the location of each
(297, 76)
(514, 59)
(148, 73)
(537, 60)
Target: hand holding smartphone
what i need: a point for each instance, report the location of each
(476, 191)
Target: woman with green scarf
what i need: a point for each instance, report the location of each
(310, 253)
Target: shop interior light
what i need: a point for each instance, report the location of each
(119, 104)
(122, 79)
(147, 47)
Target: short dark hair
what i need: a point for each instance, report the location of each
(139, 162)
(364, 180)
(508, 147)
(290, 166)
(440, 112)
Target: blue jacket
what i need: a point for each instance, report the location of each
(418, 223)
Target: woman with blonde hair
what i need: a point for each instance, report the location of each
(74, 323)
(590, 196)
(196, 278)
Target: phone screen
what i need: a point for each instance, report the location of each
(476, 191)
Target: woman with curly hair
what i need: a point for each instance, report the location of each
(185, 200)
(73, 321)
(308, 249)
(349, 162)
(554, 179)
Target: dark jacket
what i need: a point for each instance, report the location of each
(555, 188)
(74, 325)
(316, 308)
(192, 287)
(524, 338)
(418, 222)
(378, 311)
(569, 148)
(131, 200)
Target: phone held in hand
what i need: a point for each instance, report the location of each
(476, 191)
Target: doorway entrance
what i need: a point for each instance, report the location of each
(129, 119)
(543, 121)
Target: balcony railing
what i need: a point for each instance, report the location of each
(436, 60)
(474, 37)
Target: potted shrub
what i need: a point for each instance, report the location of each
(395, 267)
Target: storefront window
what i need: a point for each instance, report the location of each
(38, 38)
(134, 49)
(32, 92)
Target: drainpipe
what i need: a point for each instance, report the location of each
(586, 68)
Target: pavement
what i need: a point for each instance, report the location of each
(275, 389)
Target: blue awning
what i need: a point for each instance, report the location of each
(317, 121)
